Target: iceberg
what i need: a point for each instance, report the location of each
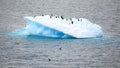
(59, 27)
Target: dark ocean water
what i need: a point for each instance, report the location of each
(41, 52)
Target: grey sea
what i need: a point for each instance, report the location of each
(41, 52)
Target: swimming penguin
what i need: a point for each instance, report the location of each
(60, 48)
(49, 59)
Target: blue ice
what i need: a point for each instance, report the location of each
(59, 28)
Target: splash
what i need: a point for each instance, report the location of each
(57, 26)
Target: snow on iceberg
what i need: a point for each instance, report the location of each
(57, 26)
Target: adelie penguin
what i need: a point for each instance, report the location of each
(62, 17)
(56, 17)
(34, 16)
(72, 22)
(60, 48)
(49, 59)
(51, 15)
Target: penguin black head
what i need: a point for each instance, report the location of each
(62, 17)
(72, 22)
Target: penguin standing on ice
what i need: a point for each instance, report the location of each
(55, 16)
(58, 16)
(51, 15)
(34, 16)
(62, 17)
(72, 22)
(42, 15)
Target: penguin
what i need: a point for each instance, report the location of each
(34, 16)
(72, 22)
(49, 59)
(42, 15)
(62, 17)
(55, 16)
(51, 14)
(60, 48)
(58, 16)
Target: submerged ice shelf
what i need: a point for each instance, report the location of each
(57, 26)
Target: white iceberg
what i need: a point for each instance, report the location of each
(58, 27)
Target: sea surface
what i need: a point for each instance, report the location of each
(42, 52)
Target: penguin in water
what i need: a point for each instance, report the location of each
(49, 59)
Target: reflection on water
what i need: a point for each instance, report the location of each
(36, 40)
(34, 50)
